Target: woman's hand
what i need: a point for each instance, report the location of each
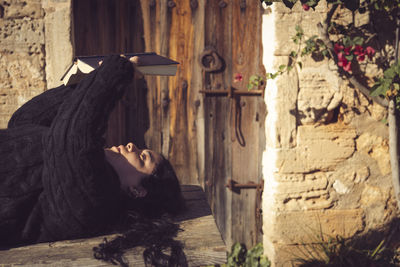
(136, 62)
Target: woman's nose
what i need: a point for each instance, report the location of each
(130, 147)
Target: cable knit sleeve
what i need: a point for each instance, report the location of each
(80, 197)
(41, 109)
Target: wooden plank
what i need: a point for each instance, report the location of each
(246, 146)
(218, 34)
(182, 130)
(150, 12)
(202, 242)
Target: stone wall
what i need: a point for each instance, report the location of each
(35, 50)
(22, 54)
(326, 164)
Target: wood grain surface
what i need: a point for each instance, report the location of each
(203, 244)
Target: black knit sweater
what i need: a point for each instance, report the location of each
(55, 183)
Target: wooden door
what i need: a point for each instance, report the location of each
(209, 139)
(104, 27)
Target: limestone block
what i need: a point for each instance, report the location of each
(318, 95)
(340, 187)
(376, 147)
(353, 172)
(14, 9)
(374, 200)
(314, 200)
(285, 30)
(59, 50)
(21, 78)
(23, 31)
(297, 188)
(309, 193)
(285, 107)
(297, 8)
(318, 148)
(286, 23)
(299, 227)
(372, 195)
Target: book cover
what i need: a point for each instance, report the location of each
(148, 64)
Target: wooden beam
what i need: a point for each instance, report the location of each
(203, 244)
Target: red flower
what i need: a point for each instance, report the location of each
(306, 7)
(359, 52)
(370, 52)
(343, 62)
(347, 67)
(338, 48)
(238, 78)
(347, 50)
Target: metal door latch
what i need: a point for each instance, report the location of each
(234, 186)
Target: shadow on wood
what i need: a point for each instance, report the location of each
(202, 241)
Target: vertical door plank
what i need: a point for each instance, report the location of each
(196, 117)
(103, 27)
(218, 35)
(151, 23)
(182, 147)
(246, 60)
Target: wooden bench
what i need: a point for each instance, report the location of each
(203, 244)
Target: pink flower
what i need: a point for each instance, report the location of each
(347, 67)
(238, 77)
(306, 7)
(359, 52)
(343, 62)
(370, 52)
(338, 48)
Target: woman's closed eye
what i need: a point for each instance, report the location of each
(143, 157)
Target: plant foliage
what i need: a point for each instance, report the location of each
(241, 257)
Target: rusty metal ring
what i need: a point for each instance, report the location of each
(210, 60)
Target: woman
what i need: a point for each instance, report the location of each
(57, 181)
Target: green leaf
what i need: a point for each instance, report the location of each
(289, 68)
(299, 29)
(379, 90)
(396, 86)
(293, 54)
(349, 57)
(347, 41)
(237, 255)
(358, 40)
(253, 78)
(282, 67)
(390, 73)
(300, 65)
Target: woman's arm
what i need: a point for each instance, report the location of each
(79, 194)
(41, 109)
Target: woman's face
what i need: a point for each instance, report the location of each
(132, 164)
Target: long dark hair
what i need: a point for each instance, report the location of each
(147, 222)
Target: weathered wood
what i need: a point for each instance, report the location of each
(218, 35)
(247, 146)
(114, 27)
(182, 150)
(202, 240)
(153, 136)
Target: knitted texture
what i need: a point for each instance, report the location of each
(55, 183)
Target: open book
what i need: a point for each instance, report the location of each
(149, 64)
